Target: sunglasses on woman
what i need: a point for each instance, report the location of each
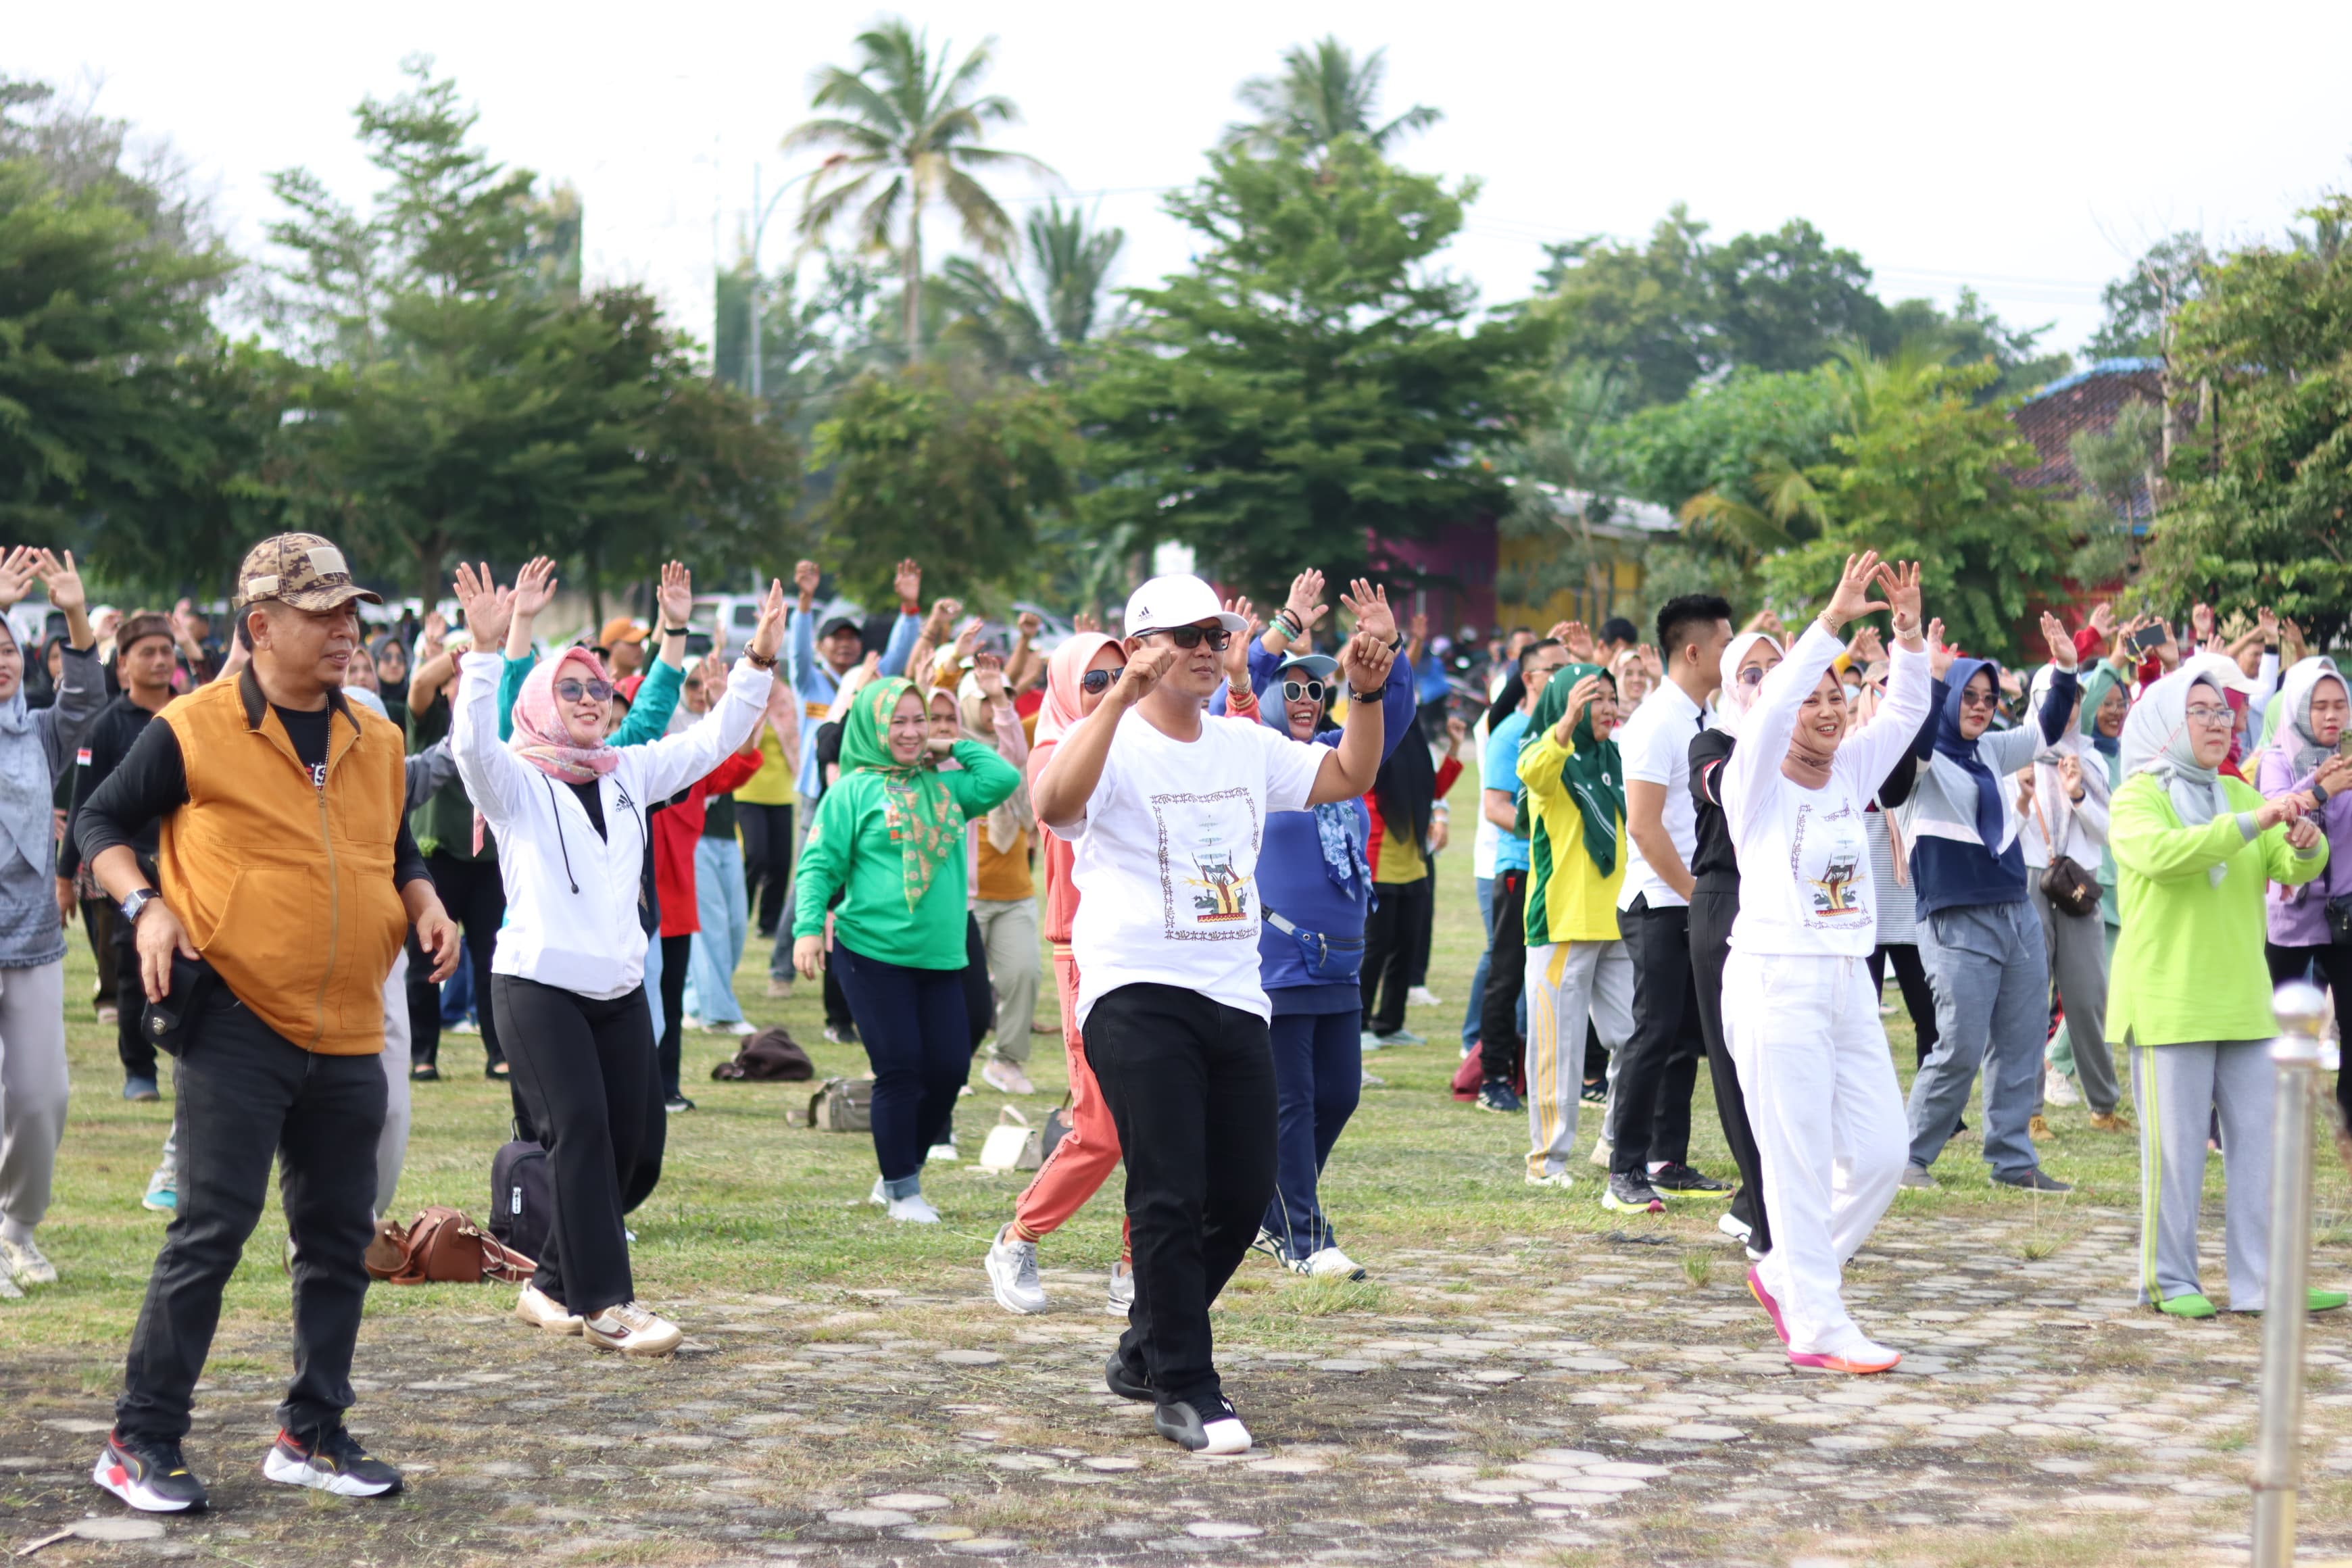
(595, 690)
(1095, 682)
(1305, 690)
(1189, 637)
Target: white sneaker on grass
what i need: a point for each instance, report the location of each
(24, 1260)
(740, 1026)
(1326, 1263)
(1006, 1078)
(1601, 1153)
(1423, 996)
(541, 1310)
(1559, 1179)
(1732, 1226)
(913, 1210)
(880, 1197)
(2056, 1087)
(1011, 1266)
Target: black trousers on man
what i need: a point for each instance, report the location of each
(1190, 1085)
(246, 1095)
(477, 899)
(130, 1042)
(1650, 1102)
(1390, 930)
(1502, 1049)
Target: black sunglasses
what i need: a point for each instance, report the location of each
(1312, 690)
(595, 690)
(1973, 699)
(1189, 637)
(1095, 682)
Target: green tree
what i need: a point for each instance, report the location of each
(1643, 311)
(1925, 471)
(913, 132)
(1323, 93)
(1311, 386)
(1037, 326)
(958, 475)
(2260, 492)
(2142, 301)
(128, 428)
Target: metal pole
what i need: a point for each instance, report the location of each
(2278, 1459)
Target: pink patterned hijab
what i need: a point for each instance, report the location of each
(540, 736)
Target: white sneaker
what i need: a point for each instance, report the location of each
(1369, 1041)
(631, 1330)
(1013, 1274)
(1330, 1263)
(878, 1198)
(24, 1259)
(1731, 1226)
(740, 1026)
(913, 1210)
(541, 1310)
(1602, 1150)
(944, 1153)
(1371, 1081)
(1123, 1288)
(1559, 1179)
(689, 1022)
(2056, 1089)
(1423, 996)
(1006, 1078)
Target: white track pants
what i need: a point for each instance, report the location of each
(1569, 981)
(1829, 1121)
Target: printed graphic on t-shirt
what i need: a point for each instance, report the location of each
(318, 775)
(1208, 848)
(1829, 855)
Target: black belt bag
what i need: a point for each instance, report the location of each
(1333, 960)
(2339, 918)
(171, 1025)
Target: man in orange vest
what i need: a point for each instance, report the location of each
(289, 881)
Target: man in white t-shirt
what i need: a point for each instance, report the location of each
(1651, 1078)
(1165, 812)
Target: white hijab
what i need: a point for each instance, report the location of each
(2155, 741)
(2303, 678)
(1734, 700)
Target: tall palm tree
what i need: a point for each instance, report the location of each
(911, 130)
(1322, 94)
(1031, 326)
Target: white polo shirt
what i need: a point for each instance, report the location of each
(1655, 746)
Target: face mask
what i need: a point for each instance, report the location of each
(1853, 695)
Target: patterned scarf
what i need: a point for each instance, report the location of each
(540, 738)
(918, 809)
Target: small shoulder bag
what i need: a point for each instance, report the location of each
(2070, 889)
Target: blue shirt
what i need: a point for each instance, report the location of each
(1503, 772)
(814, 681)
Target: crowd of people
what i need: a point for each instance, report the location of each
(1712, 847)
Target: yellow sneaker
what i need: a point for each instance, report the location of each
(2039, 1131)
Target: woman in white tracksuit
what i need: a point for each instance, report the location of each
(1800, 1014)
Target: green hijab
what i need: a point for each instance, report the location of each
(1594, 775)
(919, 811)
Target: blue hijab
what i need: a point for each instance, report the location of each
(1949, 744)
(1335, 820)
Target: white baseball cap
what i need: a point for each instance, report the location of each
(2222, 672)
(1178, 600)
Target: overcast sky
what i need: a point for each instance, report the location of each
(2031, 149)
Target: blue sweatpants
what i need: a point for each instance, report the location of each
(1318, 1075)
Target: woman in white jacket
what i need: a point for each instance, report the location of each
(1801, 1014)
(567, 979)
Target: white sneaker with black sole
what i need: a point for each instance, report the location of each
(1011, 1266)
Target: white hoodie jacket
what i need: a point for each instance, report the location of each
(571, 896)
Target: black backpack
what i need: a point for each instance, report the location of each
(522, 1197)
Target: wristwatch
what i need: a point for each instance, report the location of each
(133, 906)
(676, 631)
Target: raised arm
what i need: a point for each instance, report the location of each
(909, 585)
(1366, 663)
(1880, 745)
(494, 776)
(667, 765)
(1764, 734)
(1069, 777)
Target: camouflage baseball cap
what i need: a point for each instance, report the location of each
(301, 570)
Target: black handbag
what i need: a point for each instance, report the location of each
(171, 1025)
(2339, 919)
(2070, 890)
(522, 1196)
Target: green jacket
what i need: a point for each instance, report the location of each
(849, 848)
(2188, 961)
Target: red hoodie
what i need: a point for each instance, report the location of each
(676, 830)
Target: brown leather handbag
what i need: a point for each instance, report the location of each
(441, 1246)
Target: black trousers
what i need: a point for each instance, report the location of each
(1423, 933)
(584, 1070)
(1502, 1049)
(1190, 1085)
(477, 899)
(246, 1095)
(1711, 914)
(916, 1027)
(979, 992)
(1918, 997)
(767, 860)
(1659, 1065)
(131, 1043)
(2329, 965)
(1401, 911)
(677, 952)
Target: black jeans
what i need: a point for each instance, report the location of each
(1918, 997)
(979, 992)
(1401, 913)
(1502, 1049)
(2329, 965)
(677, 952)
(1190, 1085)
(1650, 1117)
(1711, 914)
(585, 1071)
(767, 860)
(477, 899)
(246, 1095)
(916, 1027)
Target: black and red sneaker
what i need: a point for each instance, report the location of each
(149, 1474)
(329, 1461)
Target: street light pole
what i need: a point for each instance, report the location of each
(760, 215)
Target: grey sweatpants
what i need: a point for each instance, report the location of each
(32, 1087)
(2177, 1088)
(1008, 929)
(1992, 1007)
(2076, 948)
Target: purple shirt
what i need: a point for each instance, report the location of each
(2298, 916)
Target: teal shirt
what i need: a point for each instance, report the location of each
(850, 847)
(648, 717)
